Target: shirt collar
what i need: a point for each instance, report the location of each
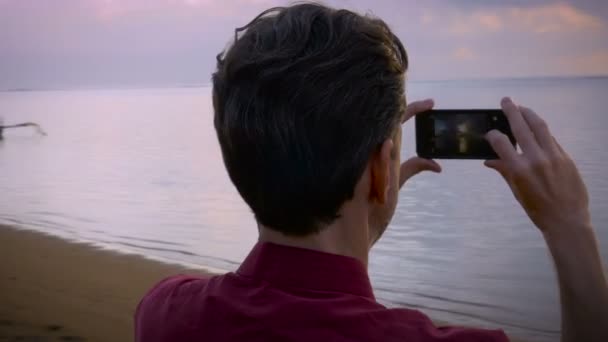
(286, 266)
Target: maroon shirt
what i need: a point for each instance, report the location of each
(283, 293)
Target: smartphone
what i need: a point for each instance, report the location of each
(459, 133)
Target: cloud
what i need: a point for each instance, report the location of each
(555, 18)
(489, 21)
(427, 18)
(464, 54)
(479, 21)
(593, 63)
(549, 18)
(108, 9)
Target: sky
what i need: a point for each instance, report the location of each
(105, 43)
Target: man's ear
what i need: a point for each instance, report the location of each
(380, 172)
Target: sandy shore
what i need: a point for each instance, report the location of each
(54, 290)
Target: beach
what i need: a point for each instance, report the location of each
(459, 246)
(54, 290)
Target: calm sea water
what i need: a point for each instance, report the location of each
(140, 171)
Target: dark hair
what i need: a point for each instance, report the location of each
(302, 99)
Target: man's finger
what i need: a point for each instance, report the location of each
(561, 149)
(521, 131)
(502, 145)
(416, 108)
(539, 127)
(414, 166)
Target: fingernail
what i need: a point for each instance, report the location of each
(428, 101)
(507, 100)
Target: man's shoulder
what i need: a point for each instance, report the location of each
(177, 283)
(169, 299)
(170, 291)
(416, 321)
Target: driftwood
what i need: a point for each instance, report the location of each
(25, 124)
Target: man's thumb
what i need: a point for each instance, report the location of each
(414, 166)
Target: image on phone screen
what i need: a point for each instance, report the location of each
(458, 134)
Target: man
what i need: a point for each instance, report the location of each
(309, 103)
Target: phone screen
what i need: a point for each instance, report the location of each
(459, 133)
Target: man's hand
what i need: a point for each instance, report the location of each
(415, 165)
(549, 187)
(543, 177)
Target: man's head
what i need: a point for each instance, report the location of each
(308, 104)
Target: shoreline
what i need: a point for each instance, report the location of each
(51, 288)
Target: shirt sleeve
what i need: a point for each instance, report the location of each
(158, 304)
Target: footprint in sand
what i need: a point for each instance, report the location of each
(8, 328)
(29, 338)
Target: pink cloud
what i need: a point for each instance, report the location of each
(558, 17)
(108, 9)
(593, 63)
(489, 21)
(478, 21)
(464, 54)
(555, 18)
(427, 18)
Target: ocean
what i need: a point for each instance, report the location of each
(140, 171)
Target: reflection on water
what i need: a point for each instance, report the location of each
(140, 171)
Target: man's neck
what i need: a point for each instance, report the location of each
(343, 237)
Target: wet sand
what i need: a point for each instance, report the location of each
(55, 290)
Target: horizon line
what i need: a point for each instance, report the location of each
(204, 85)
